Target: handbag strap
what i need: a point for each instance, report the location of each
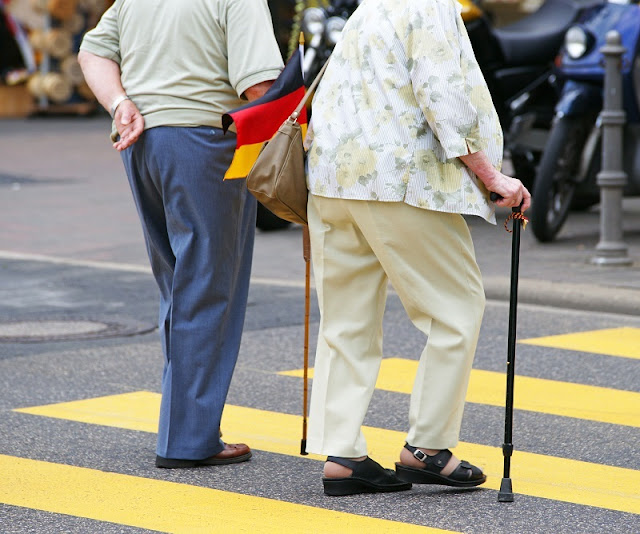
(309, 92)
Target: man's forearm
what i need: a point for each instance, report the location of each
(258, 90)
(103, 77)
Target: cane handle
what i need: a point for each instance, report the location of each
(495, 196)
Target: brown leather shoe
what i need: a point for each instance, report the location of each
(232, 453)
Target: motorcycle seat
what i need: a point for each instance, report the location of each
(537, 38)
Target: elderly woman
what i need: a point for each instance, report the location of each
(404, 140)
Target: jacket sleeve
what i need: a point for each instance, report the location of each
(437, 71)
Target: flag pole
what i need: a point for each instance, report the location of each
(301, 50)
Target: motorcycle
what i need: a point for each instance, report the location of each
(567, 174)
(517, 61)
(322, 27)
(283, 17)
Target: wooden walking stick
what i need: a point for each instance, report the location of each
(519, 220)
(306, 253)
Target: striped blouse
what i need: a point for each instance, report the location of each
(403, 97)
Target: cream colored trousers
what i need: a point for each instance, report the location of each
(357, 247)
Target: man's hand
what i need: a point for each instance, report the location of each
(103, 77)
(129, 123)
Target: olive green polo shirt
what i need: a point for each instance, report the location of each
(187, 62)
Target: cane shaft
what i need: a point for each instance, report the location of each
(507, 447)
(306, 246)
(306, 337)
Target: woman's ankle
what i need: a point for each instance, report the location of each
(407, 458)
(334, 470)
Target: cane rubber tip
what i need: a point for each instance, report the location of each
(506, 491)
(303, 447)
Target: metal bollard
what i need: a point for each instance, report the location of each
(611, 250)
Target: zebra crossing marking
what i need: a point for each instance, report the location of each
(170, 506)
(565, 399)
(623, 342)
(537, 475)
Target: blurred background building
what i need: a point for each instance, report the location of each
(39, 41)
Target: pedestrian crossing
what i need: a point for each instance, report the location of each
(623, 342)
(605, 405)
(539, 475)
(54, 487)
(168, 506)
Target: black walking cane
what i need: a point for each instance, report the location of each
(306, 253)
(506, 491)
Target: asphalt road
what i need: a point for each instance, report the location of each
(73, 271)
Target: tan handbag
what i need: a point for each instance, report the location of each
(277, 178)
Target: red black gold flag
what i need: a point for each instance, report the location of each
(259, 120)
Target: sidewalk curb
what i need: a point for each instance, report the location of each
(585, 297)
(605, 299)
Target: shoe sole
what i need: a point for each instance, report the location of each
(420, 476)
(170, 463)
(350, 486)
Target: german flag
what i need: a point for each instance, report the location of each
(257, 122)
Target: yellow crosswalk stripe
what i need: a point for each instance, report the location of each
(623, 342)
(566, 399)
(537, 475)
(169, 506)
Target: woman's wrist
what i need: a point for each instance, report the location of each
(480, 165)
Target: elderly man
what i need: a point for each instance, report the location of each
(404, 139)
(167, 71)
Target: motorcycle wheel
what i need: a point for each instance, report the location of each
(583, 203)
(556, 182)
(267, 221)
(524, 167)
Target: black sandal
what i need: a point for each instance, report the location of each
(464, 476)
(368, 477)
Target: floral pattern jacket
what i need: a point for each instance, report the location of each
(403, 97)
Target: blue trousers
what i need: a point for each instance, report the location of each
(199, 232)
